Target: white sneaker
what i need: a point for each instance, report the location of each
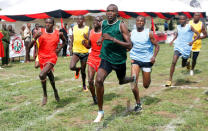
(191, 72)
(99, 117)
(1, 68)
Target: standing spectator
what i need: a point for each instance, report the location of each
(11, 30)
(70, 33)
(166, 25)
(5, 40)
(22, 32)
(1, 47)
(27, 36)
(34, 32)
(11, 33)
(170, 26)
(64, 30)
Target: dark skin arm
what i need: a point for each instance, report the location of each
(87, 42)
(176, 35)
(39, 33)
(204, 32)
(197, 36)
(71, 45)
(124, 30)
(157, 47)
(61, 36)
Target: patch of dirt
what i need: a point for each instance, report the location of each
(166, 114)
(79, 121)
(19, 99)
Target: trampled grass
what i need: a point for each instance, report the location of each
(182, 107)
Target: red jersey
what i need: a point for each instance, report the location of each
(48, 43)
(93, 58)
(94, 37)
(1, 45)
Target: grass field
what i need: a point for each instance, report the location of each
(181, 108)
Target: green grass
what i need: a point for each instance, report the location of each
(182, 107)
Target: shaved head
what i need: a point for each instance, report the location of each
(141, 18)
(113, 5)
(81, 17)
(51, 18)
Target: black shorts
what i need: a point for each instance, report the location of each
(142, 64)
(120, 69)
(82, 56)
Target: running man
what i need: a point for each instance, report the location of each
(93, 58)
(115, 43)
(199, 27)
(142, 57)
(182, 45)
(80, 52)
(48, 39)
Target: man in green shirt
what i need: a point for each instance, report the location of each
(115, 43)
(6, 41)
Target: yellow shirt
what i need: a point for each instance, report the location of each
(198, 27)
(78, 47)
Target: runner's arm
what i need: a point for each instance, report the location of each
(87, 42)
(204, 32)
(71, 44)
(157, 47)
(176, 35)
(124, 30)
(35, 38)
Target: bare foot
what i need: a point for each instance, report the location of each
(44, 101)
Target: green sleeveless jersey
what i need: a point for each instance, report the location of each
(113, 52)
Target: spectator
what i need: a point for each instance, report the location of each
(166, 25)
(1, 47)
(34, 32)
(11, 30)
(65, 32)
(6, 41)
(171, 25)
(22, 32)
(27, 37)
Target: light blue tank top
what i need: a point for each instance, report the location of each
(142, 49)
(181, 44)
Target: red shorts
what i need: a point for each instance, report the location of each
(94, 62)
(44, 61)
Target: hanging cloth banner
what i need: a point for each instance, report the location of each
(17, 47)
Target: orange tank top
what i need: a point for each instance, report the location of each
(48, 43)
(94, 37)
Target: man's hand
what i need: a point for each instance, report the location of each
(84, 43)
(107, 37)
(39, 33)
(152, 60)
(191, 43)
(171, 43)
(85, 36)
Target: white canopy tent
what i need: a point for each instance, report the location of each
(29, 7)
